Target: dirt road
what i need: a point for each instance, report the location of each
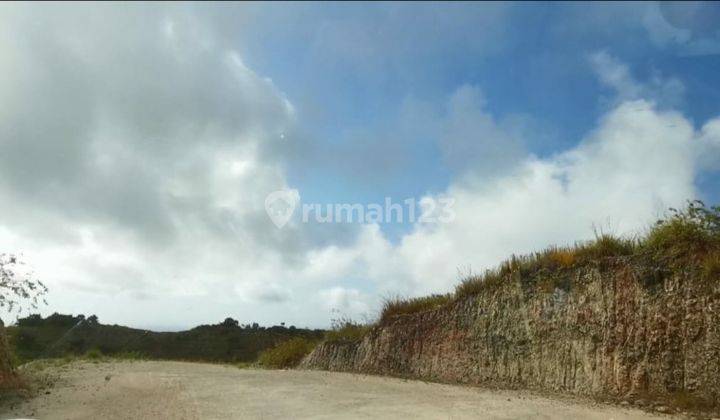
(151, 390)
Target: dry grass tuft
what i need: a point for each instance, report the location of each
(347, 330)
(395, 306)
(562, 257)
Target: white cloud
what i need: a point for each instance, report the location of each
(345, 302)
(472, 140)
(616, 75)
(135, 162)
(636, 163)
(708, 152)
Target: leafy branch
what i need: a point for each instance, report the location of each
(18, 284)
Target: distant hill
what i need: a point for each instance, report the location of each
(60, 335)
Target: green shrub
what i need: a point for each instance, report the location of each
(287, 354)
(94, 354)
(690, 231)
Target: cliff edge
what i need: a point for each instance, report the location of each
(615, 329)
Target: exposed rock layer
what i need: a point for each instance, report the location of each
(613, 331)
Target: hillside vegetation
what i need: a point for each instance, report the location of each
(59, 335)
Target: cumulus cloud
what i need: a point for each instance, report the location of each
(471, 138)
(629, 169)
(616, 75)
(135, 163)
(640, 159)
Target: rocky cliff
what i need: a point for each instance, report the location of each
(615, 329)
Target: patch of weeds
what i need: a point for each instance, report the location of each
(287, 354)
(246, 365)
(94, 354)
(345, 329)
(473, 284)
(604, 246)
(40, 365)
(563, 258)
(395, 306)
(688, 232)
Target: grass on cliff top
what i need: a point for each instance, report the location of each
(552, 259)
(689, 235)
(345, 329)
(397, 306)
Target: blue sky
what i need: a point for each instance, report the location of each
(139, 144)
(530, 60)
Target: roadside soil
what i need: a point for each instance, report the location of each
(144, 389)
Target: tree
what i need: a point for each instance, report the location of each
(18, 286)
(229, 322)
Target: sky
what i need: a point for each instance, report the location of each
(139, 144)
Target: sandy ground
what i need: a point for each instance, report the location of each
(151, 390)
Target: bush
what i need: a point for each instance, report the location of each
(693, 230)
(393, 307)
(287, 354)
(93, 354)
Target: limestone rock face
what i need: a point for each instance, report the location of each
(619, 331)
